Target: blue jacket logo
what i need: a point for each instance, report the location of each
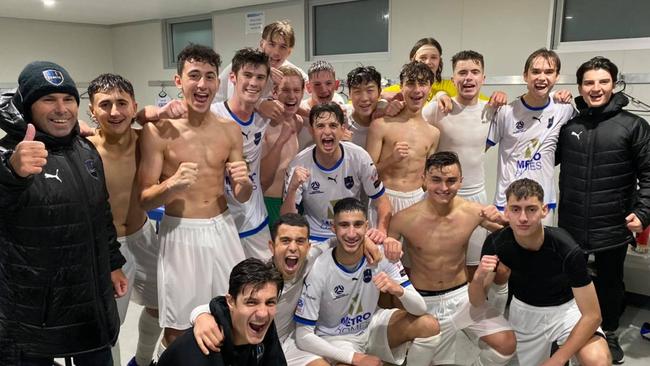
(54, 77)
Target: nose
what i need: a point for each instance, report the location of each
(60, 106)
(262, 312)
(114, 111)
(293, 246)
(523, 217)
(202, 82)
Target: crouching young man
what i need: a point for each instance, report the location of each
(554, 298)
(246, 315)
(337, 315)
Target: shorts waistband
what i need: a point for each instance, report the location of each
(440, 292)
(416, 193)
(203, 222)
(137, 234)
(273, 199)
(542, 309)
(255, 230)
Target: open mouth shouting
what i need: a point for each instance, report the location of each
(329, 143)
(257, 330)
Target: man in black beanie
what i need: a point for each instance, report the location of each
(59, 257)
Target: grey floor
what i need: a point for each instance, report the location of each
(637, 349)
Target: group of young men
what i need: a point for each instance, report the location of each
(332, 215)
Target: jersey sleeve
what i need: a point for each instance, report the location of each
(575, 267)
(496, 128)
(489, 247)
(395, 271)
(287, 178)
(372, 185)
(309, 302)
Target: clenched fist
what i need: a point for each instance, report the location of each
(186, 175)
(238, 172)
(29, 156)
(300, 176)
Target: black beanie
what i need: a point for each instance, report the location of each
(41, 78)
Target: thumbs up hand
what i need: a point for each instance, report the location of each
(29, 156)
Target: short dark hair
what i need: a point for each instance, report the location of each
(363, 74)
(280, 28)
(320, 66)
(416, 71)
(254, 272)
(349, 204)
(442, 159)
(468, 55)
(109, 82)
(548, 55)
(525, 188)
(319, 109)
(250, 56)
(197, 53)
(428, 41)
(596, 63)
(291, 219)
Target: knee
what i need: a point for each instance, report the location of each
(595, 356)
(507, 344)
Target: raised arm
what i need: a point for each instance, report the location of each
(237, 169)
(295, 179)
(271, 153)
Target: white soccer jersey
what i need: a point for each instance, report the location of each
(464, 130)
(338, 301)
(250, 216)
(324, 187)
(527, 138)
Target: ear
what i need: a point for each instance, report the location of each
(233, 78)
(271, 247)
(308, 86)
(337, 83)
(92, 111)
(544, 211)
(230, 301)
(177, 81)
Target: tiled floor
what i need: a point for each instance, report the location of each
(637, 349)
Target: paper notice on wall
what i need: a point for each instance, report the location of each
(254, 22)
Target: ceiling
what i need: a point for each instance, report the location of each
(109, 12)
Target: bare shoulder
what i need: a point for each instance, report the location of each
(161, 129)
(378, 124)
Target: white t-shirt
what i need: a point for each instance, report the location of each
(338, 301)
(324, 187)
(527, 139)
(464, 130)
(227, 88)
(250, 216)
(359, 132)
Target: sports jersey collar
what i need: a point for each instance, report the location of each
(338, 163)
(343, 268)
(234, 116)
(535, 108)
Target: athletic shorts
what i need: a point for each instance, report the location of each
(480, 233)
(536, 328)
(257, 245)
(373, 340)
(294, 355)
(455, 313)
(273, 205)
(145, 247)
(129, 271)
(194, 264)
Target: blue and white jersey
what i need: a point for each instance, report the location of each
(324, 187)
(339, 301)
(527, 138)
(250, 216)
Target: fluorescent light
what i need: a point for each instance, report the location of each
(49, 3)
(568, 17)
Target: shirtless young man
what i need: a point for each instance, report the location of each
(436, 232)
(280, 143)
(400, 145)
(554, 297)
(183, 165)
(113, 107)
(250, 74)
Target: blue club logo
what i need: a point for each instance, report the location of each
(54, 77)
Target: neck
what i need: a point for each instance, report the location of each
(241, 109)
(195, 118)
(411, 112)
(535, 101)
(362, 120)
(348, 259)
(117, 142)
(533, 241)
(282, 118)
(328, 160)
(466, 102)
(440, 209)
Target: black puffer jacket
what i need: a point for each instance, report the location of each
(57, 249)
(602, 152)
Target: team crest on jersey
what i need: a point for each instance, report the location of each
(315, 187)
(550, 122)
(519, 126)
(54, 77)
(338, 289)
(349, 182)
(90, 168)
(367, 275)
(258, 138)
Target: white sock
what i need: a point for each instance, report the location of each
(490, 357)
(148, 334)
(422, 351)
(115, 351)
(161, 348)
(498, 296)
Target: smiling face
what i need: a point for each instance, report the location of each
(415, 93)
(289, 93)
(198, 83)
(428, 55)
(443, 183)
(252, 312)
(597, 87)
(55, 114)
(525, 215)
(350, 229)
(364, 98)
(468, 78)
(322, 86)
(277, 49)
(114, 110)
(541, 77)
(290, 249)
(249, 82)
